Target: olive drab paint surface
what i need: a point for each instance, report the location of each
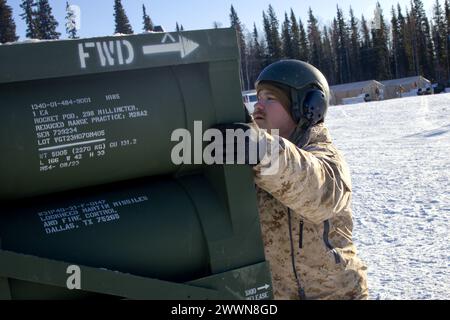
(85, 136)
(83, 112)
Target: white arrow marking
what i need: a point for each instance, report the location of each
(184, 46)
(265, 287)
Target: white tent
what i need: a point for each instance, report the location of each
(370, 90)
(397, 88)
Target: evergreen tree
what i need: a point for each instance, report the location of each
(147, 21)
(304, 46)
(343, 59)
(411, 41)
(251, 61)
(423, 39)
(256, 57)
(447, 12)
(71, 28)
(439, 39)
(262, 42)
(366, 40)
(334, 39)
(121, 19)
(45, 21)
(447, 15)
(367, 56)
(177, 27)
(447, 38)
(328, 62)
(403, 58)
(430, 52)
(237, 25)
(355, 54)
(395, 29)
(273, 52)
(380, 48)
(29, 16)
(267, 32)
(315, 40)
(258, 49)
(7, 25)
(286, 36)
(277, 53)
(295, 32)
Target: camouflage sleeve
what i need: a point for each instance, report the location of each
(314, 183)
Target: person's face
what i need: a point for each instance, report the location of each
(270, 114)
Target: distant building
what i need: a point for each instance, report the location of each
(353, 92)
(403, 87)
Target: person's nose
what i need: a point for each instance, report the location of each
(259, 106)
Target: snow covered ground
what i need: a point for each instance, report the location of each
(399, 154)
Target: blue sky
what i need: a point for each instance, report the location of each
(97, 15)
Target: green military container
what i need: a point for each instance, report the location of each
(84, 112)
(87, 178)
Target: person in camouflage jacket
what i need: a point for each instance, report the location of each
(306, 220)
(304, 188)
(305, 205)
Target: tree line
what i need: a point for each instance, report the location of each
(347, 50)
(351, 49)
(41, 23)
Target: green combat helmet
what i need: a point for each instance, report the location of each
(308, 88)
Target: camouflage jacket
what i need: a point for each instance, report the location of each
(306, 221)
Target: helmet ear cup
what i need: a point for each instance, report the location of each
(315, 106)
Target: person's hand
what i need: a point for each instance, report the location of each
(241, 143)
